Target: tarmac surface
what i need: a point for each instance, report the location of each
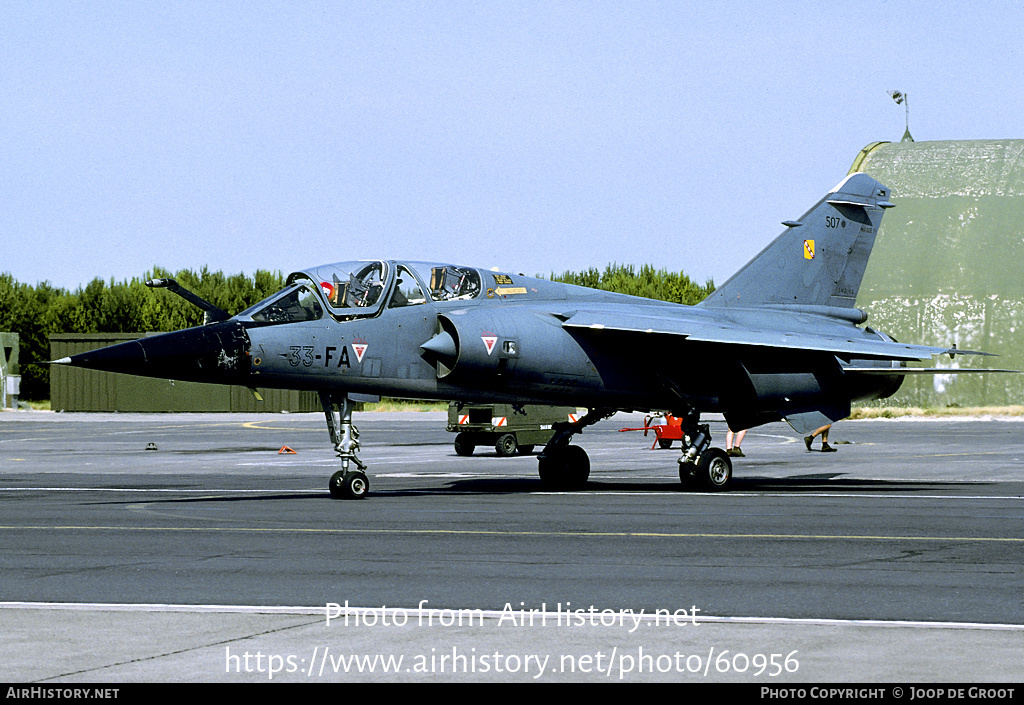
(214, 557)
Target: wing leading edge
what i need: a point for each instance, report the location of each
(841, 340)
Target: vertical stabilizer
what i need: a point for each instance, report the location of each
(820, 259)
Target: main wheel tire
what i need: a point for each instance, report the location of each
(463, 445)
(506, 445)
(351, 485)
(665, 443)
(714, 470)
(566, 468)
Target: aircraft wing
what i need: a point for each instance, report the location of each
(842, 340)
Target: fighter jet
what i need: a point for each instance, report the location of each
(781, 339)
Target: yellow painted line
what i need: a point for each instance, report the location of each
(256, 425)
(502, 532)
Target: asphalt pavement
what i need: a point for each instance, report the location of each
(190, 548)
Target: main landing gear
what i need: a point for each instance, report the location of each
(700, 464)
(346, 483)
(565, 467)
(560, 465)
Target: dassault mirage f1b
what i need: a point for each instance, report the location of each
(779, 340)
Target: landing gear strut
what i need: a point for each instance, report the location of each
(709, 467)
(346, 483)
(562, 466)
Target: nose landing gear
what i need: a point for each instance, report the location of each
(346, 483)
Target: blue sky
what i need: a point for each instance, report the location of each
(535, 137)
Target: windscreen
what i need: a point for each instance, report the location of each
(297, 302)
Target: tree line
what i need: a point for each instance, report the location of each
(648, 282)
(36, 312)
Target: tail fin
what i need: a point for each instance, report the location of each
(820, 259)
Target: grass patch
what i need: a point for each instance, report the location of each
(406, 405)
(895, 412)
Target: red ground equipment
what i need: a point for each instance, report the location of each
(666, 427)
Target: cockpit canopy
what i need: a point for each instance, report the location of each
(350, 285)
(362, 289)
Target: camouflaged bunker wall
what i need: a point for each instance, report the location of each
(947, 264)
(79, 389)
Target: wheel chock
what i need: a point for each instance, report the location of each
(285, 450)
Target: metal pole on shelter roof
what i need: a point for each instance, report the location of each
(904, 99)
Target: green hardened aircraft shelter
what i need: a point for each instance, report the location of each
(948, 262)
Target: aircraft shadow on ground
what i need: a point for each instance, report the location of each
(214, 498)
(815, 482)
(796, 484)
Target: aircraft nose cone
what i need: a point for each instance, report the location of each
(213, 353)
(127, 357)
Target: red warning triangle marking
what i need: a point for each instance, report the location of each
(360, 349)
(285, 450)
(490, 341)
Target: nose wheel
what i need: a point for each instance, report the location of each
(346, 483)
(349, 485)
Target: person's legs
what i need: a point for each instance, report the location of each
(823, 432)
(825, 447)
(732, 443)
